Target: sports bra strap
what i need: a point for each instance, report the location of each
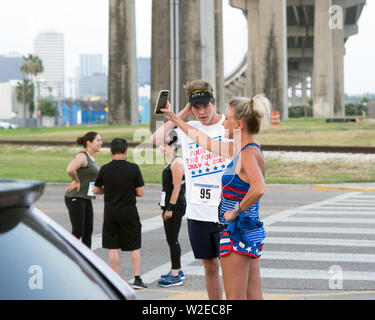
(252, 144)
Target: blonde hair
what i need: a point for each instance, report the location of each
(256, 112)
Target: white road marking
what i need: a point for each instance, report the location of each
(330, 220)
(320, 242)
(302, 274)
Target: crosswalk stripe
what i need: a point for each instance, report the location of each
(342, 207)
(320, 242)
(335, 212)
(330, 220)
(300, 274)
(364, 202)
(320, 230)
(312, 274)
(318, 256)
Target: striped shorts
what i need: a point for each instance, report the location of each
(227, 245)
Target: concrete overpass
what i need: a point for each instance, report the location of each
(288, 42)
(308, 39)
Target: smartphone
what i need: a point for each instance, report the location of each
(162, 101)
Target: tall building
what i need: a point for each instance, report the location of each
(90, 63)
(10, 68)
(94, 85)
(92, 80)
(49, 47)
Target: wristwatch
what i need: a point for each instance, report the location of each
(237, 208)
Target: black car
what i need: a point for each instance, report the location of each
(39, 259)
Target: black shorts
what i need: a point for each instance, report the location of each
(122, 235)
(204, 238)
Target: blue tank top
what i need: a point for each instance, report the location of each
(233, 191)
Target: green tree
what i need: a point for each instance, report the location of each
(47, 107)
(25, 94)
(30, 67)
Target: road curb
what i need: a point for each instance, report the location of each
(344, 188)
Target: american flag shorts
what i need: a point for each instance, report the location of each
(227, 245)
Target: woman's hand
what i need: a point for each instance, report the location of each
(168, 113)
(230, 215)
(168, 215)
(74, 185)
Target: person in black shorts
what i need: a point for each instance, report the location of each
(121, 182)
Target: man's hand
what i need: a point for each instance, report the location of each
(186, 112)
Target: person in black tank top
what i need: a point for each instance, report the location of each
(173, 205)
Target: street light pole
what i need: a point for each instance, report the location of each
(175, 54)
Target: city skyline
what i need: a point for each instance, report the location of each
(86, 31)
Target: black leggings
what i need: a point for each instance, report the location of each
(81, 216)
(172, 229)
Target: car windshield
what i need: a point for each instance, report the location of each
(36, 264)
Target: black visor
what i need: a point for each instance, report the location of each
(200, 96)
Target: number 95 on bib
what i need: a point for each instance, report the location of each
(205, 194)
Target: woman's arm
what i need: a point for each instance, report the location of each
(250, 167)
(177, 169)
(79, 161)
(224, 149)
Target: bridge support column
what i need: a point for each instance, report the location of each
(267, 50)
(160, 55)
(122, 69)
(304, 92)
(197, 48)
(197, 43)
(323, 61)
(338, 73)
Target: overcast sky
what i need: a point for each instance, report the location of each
(85, 27)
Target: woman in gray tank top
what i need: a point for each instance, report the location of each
(83, 170)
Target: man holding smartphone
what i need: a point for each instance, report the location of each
(203, 171)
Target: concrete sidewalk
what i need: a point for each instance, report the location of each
(268, 294)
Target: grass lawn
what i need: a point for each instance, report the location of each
(318, 132)
(49, 164)
(71, 133)
(291, 132)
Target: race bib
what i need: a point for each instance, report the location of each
(91, 187)
(205, 194)
(162, 199)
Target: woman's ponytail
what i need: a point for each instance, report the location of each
(256, 112)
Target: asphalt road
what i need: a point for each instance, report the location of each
(320, 244)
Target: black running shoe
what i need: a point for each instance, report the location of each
(138, 284)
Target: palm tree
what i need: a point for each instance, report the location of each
(30, 67)
(25, 94)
